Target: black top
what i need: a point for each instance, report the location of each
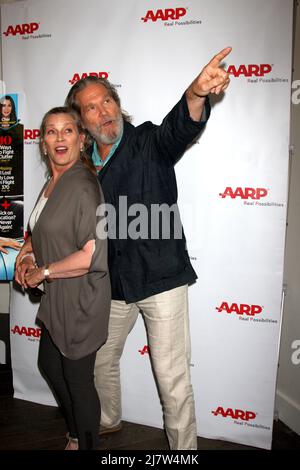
(148, 260)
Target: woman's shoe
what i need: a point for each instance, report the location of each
(72, 443)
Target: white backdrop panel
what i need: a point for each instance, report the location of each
(236, 244)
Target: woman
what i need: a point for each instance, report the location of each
(73, 261)
(8, 112)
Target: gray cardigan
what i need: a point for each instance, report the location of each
(76, 310)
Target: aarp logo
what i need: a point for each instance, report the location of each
(21, 29)
(239, 309)
(26, 331)
(234, 413)
(78, 76)
(244, 193)
(164, 15)
(251, 70)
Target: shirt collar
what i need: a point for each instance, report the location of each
(99, 164)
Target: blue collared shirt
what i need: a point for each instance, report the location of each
(99, 164)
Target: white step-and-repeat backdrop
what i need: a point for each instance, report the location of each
(232, 183)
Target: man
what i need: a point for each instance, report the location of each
(150, 270)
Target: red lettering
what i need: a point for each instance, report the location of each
(250, 193)
(229, 412)
(249, 415)
(239, 192)
(10, 30)
(26, 28)
(27, 134)
(159, 14)
(31, 332)
(265, 68)
(241, 309)
(180, 12)
(149, 16)
(167, 14)
(234, 414)
(34, 27)
(15, 330)
(250, 70)
(223, 306)
(144, 350)
(242, 70)
(103, 75)
(232, 70)
(244, 308)
(228, 192)
(254, 70)
(234, 308)
(239, 414)
(35, 332)
(261, 192)
(5, 139)
(77, 77)
(31, 134)
(255, 310)
(219, 411)
(18, 29)
(35, 133)
(98, 74)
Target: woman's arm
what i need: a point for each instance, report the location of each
(26, 249)
(74, 265)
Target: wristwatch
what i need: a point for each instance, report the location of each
(46, 272)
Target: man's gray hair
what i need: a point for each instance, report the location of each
(83, 83)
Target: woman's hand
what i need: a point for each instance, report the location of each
(34, 277)
(27, 264)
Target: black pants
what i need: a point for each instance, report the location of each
(73, 385)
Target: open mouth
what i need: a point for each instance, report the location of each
(61, 150)
(107, 123)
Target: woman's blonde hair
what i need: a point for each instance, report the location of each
(77, 120)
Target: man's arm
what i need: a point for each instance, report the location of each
(188, 117)
(212, 79)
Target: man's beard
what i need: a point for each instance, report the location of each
(112, 136)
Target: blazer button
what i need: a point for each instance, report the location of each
(119, 253)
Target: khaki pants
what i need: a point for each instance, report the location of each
(167, 324)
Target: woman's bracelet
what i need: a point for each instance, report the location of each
(28, 254)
